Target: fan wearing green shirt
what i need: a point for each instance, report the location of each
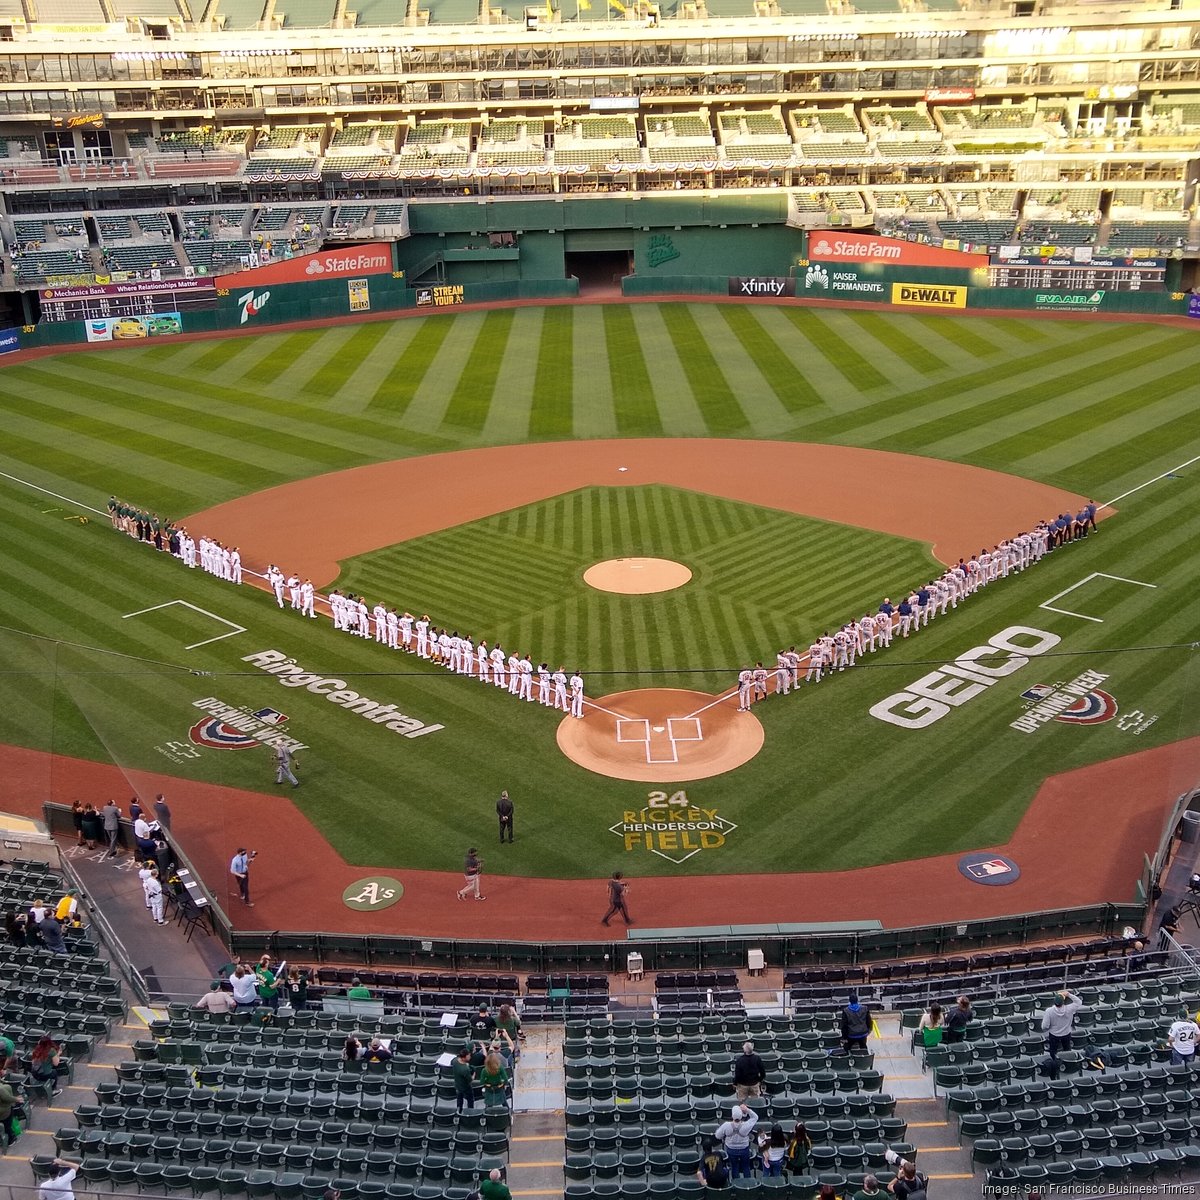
(494, 1187)
(356, 990)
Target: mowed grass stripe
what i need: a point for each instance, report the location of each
(896, 338)
(282, 350)
(395, 391)
(345, 356)
(678, 411)
(791, 388)
(591, 382)
(933, 434)
(821, 329)
(967, 338)
(853, 425)
(719, 406)
(508, 415)
(125, 436)
(471, 394)
(629, 378)
(234, 433)
(1170, 442)
(553, 387)
(296, 379)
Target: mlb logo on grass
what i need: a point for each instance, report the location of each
(272, 716)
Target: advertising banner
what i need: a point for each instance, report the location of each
(1075, 256)
(926, 295)
(10, 340)
(120, 329)
(1194, 306)
(441, 295)
(90, 291)
(762, 287)
(374, 258)
(359, 292)
(842, 283)
(949, 95)
(835, 246)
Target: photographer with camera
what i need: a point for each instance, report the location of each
(239, 868)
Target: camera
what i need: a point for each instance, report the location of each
(252, 854)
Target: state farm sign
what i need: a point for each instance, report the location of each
(373, 258)
(830, 246)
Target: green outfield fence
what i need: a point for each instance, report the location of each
(681, 950)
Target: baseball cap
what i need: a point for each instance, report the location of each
(737, 1114)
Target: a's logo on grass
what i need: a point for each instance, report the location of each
(227, 727)
(672, 827)
(992, 870)
(373, 893)
(1079, 701)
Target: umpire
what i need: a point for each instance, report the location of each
(504, 810)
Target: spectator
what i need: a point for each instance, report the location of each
(870, 1189)
(38, 912)
(713, 1171)
(507, 1020)
(93, 826)
(483, 1025)
(58, 1185)
(463, 1075)
(1182, 1039)
(376, 1052)
(162, 812)
(932, 1026)
(110, 816)
(45, 1064)
(52, 934)
(1059, 1020)
(67, 910)
(494, 1187)
(503, 1045)
(267, 983)
(774, 1148)
(216, 999)
(9, 1099)
(735, 1135)
(15, 925)
(957, 1020)
(77, 821)
(799, 1145)
(827, 1191)
(245, 987)
(909, 1184)
(749, 1074)
(856, 1024)
(494, 1078)
(356, 990)
(297, 989)
(352, 1051)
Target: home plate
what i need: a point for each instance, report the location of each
(660, 729)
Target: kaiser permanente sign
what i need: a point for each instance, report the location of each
(344, 262)
(834, 246)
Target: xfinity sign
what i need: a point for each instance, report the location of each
(756, 286)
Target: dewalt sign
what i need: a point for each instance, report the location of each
(929, 295)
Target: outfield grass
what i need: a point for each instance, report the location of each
(1098, 408)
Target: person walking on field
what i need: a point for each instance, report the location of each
(283, 765)
(504, 811)
(617, 887)
(472, 870)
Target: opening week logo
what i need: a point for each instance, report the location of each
(228, 727)
(672, 827)
(1078, 702)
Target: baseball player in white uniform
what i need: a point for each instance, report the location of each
(484, 661)
(760, 682)
(559, 679)
(379, 612)
(841, 643)
(783, 674)
(883, 626)
(293, 587)
(454, 656)
(866, 633)
(499, 678)
(525, 691)
(745, 686)
(235, 564)
(422, 628)
(514, 673)
(816, 660)
(406, 630)
(226, 565)
(275, 575)
(154, 894)
(308, 595)
(577, 695)
(467, 666)
(393, 629)
(543, 682)
(364, 618)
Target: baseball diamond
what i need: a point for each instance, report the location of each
(842, 487)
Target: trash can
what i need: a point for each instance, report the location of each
(1191, 827)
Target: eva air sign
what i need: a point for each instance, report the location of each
(372, 894)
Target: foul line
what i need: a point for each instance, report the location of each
(233, 629)
(1110, 503)
(38, 488)
(1049, 604)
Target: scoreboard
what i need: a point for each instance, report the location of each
(95, 302)
(1063, 271)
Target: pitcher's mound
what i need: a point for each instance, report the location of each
(661, 735)
(636, 576)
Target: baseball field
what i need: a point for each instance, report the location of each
(800, 463)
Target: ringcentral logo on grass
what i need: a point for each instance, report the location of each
(290, 674)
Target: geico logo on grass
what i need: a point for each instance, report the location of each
(932, 696)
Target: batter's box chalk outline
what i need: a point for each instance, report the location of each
(677, 725)
(234, 630)
(689, 731)
(640, 722)
(1066, 612)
